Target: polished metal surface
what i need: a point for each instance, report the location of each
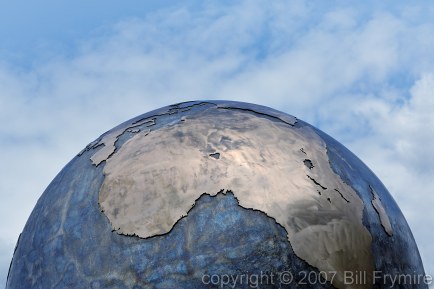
(155, 178)
(379, 208)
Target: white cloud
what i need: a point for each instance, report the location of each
(364, 75)
(6, 251)
(398, 148)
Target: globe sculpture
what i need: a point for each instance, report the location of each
(216, 194)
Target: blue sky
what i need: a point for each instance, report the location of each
(362, 71)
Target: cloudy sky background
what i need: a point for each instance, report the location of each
(362, 71)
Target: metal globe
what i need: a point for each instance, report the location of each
(216, 194)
